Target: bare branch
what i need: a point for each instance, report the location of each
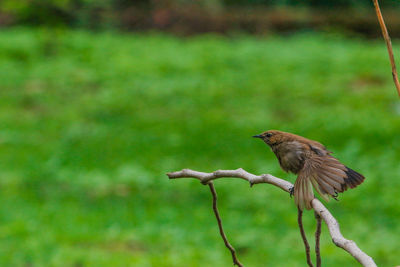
(204, 178)
(317, 239)
(304, 237)
(388, 44)
(221, 229)
(333, 226)
(337, 237)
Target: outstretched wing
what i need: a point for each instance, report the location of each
(327, 175)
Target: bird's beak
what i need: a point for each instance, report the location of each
(257, 136)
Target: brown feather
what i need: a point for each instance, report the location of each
(327, 187)
(333, 162)
(305, 195)
(324, 194)
(337, 186)
(334, 170)
(331, 175)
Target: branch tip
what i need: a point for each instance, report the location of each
(388, 42)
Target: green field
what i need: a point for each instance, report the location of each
(91, 122)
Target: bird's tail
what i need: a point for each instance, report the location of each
(303, 192)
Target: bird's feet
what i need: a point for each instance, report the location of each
(291, 191)
(335, 196)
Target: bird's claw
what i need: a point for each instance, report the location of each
(335, 196)
(291, 191)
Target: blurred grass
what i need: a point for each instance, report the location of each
(91, 122)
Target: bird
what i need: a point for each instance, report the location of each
(314, 166)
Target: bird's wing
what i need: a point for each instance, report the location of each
(327, 175)
(332, 172)
(318, 148)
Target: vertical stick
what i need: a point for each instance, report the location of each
(388, 44)
(221, 229)
(303, 236)
(317, 239)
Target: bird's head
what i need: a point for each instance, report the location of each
(271, 137)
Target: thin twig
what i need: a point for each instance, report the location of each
(317, 239)
(221, 229)
(388, 44)
(304, 237)
(333, 226)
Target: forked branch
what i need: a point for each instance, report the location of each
(333, 226)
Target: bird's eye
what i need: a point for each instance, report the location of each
(268, 135)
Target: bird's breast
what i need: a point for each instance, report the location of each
(290, 156)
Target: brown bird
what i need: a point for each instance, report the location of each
(313, 164)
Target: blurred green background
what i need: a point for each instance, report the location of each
(92, 120)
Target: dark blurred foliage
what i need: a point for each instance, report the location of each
(196, 16)
(309, 3)
(58, 12)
